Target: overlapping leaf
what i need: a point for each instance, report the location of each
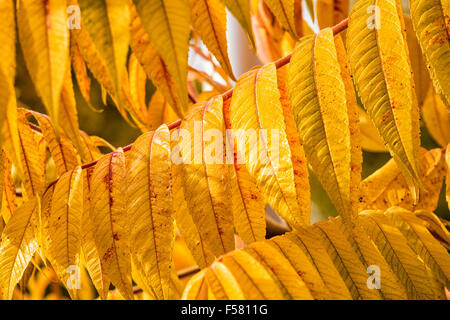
(110, 220)
(205, 175)
(387, 187)
(287, 15)
(64, 226)
(378, 56)
(107, 23)
(18, 244)
(324, 107)
(431, 20)
(44, 38)
(257, 120)
(167, 24)
(241, 11)
(150, 209)
(210, 23)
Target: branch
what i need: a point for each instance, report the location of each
(341, 26)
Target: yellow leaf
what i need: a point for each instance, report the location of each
(421, 76)
(303, 266)
(63, 152)
(394, 247)
(298, 156)
(423, 243)
(434, 224)
(167, 24)
(318, 256)
(8, 117)
(205, 176)
(44, 37)
(387, 187)
(331, 12)
(370, 138)
(241, 11)
(18, 245)
(159, 112)
(431, 20)
(68, 117)
(285, 13)
(209, 20)
(325, 110)
(194, 240)
(7, 189)
(89, 249)
(447, 176)
(107, 23)
(33, 163)
(80, 71)
(249, 214)
(258, 125)
(380, 64)
(255, 280)
(64, 226)
(281, 271)
(150, 209)
(368, 253)
(222, 284)
(437, 118)
(110, 220)
(153, 64)
(197, 288)
(352, 271)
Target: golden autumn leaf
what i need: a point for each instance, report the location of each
(32, 160)
(436, 118)
(8, 118)
(431, 20)
(44, 38)
(110, 220)
(422, 242)
(150, 209)
(247, 200)
(90, 255)
(394, 247)
(329, 133)
(167, 24)
(345, 260)
(421, 76)
(241, 11)
(286, 14)
(195, 241)
(63, 152)
(153, 64)
(7, 189)
(107, 23)
(387, 187)
(370, 138)
(80, 71)
(64, 226)
(204, 174)
(209, 22)
(256, 116)
(331, 12)
(447, 176)
(382, 75)
(18, 244)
